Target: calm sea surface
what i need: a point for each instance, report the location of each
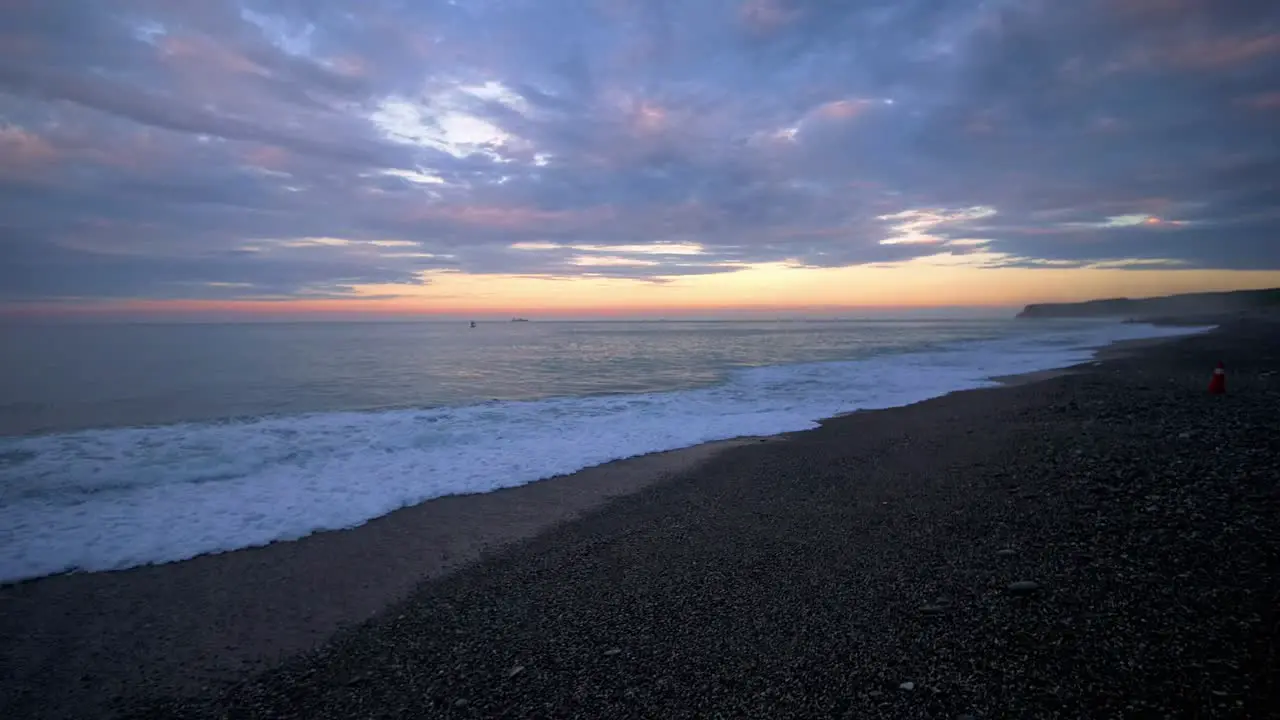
(55, 378)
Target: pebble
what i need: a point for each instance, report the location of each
(515, 671)
(1006, 552)
(907, 686)
(1023, 587)
(613, 651)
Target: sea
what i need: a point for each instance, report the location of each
(130, 444)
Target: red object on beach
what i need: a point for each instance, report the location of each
(1218, 385)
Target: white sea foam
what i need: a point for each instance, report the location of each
(111, 499)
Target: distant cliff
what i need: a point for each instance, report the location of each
(1194, 305)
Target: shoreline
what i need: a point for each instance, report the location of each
(245, 611)
(667, 462)
(1100, 545)
(203, 621)
(1114, 351)
(1006, 380)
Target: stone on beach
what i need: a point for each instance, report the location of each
(1023, 587)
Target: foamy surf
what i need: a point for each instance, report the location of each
(118, 498)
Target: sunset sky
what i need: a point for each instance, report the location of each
(618, 157)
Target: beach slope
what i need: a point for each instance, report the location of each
(1101, 543)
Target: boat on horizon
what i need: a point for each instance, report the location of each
(519, 319)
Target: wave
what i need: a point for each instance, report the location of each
(117, 498)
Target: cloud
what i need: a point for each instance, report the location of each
(23, 152)
(1262, 100)
(39, 269)
(162, 150)
(765, 16)
(926, 225)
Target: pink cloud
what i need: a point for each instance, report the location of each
(842, 109)
(349, 66)
(141, 150)
(765, 16)
(77, 138)
(1262, 101)
(14, 46)
(632, 127)
(688, 217)
(268, 157)
(514, 218)
(1106, 125)
(196, 50)
(981, 123)
(820, 232)
(647, 117)
(614, 9)
(1153, 7)
(205, 73)
(210, 74)
(1149, 205)
(23, 152)
(1226, 51)
(1202, 54)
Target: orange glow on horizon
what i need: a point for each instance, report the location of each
(939, 281)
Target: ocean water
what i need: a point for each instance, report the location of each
(123, 445)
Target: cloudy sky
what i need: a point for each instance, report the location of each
(627, 155)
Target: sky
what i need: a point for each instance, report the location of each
(615, 157)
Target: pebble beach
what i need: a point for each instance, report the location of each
(1102, 542)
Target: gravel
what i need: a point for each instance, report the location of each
(860, 570)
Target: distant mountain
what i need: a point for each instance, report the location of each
(1192, 305)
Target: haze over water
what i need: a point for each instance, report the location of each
(58, 378)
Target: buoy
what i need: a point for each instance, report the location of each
(1218, 385)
